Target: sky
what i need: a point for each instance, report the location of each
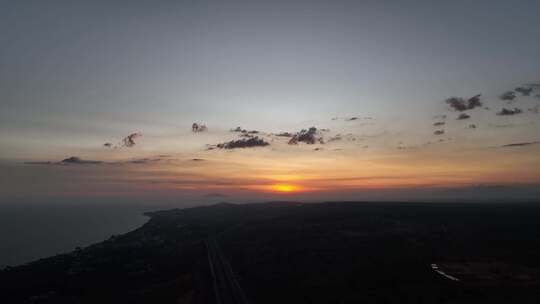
(98, 99)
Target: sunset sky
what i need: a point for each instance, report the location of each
(98, 100)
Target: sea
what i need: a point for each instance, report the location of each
(34, 230)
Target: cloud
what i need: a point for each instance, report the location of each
(140, 161)
(79, 161)
(474, 102)
(309, 136)
(284, 134)
(505, 112)
(439, 132)
(441, 116)
(73, 160)
(471, 126)
(198, 127)
(245, 133)
(198, 159)
(525, 91)
(508, 95)
(463, 116)
(249, 142)
(145, 160)
(439, 123)
(460, 104)
(129, 141)
(352, 118)
(456, 103)
(537, 96)
(521, 144)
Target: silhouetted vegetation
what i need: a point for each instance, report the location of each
(303, 253)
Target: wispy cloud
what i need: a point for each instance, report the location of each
(145, 160)
(463, 116)
(73, 160)
(284, 134)
(508, 96)
(352, 118)
(525, 91)
(79, 161)
(506, 112)
(460, 104)
(438, 132)
(309, 136)
(522, 144)
(245, 133)
(198, 127)
(129, 141)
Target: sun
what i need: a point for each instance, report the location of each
(285, 188)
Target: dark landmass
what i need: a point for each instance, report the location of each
(301, 253)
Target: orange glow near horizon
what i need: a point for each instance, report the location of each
(285, 188)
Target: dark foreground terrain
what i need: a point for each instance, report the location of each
(301, 253)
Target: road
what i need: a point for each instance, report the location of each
(227, 290)
(436, 268)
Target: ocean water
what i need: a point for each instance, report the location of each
(29, 231)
